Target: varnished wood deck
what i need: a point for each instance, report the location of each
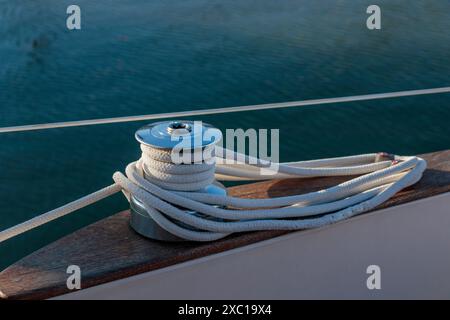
(109, 249)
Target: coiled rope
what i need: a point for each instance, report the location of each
(165, 188)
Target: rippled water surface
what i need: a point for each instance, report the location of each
(137, 57)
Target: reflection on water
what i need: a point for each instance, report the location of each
(138, 57)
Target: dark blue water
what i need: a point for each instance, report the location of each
(149, 56)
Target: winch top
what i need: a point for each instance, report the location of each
(168, 134)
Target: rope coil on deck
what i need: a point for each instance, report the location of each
(169, 191)
(381, 178)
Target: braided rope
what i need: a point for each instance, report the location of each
(164, 187)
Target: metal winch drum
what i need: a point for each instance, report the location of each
(166, 136)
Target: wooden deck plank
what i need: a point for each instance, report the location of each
(109, 249)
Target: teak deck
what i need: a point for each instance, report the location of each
(109, 249)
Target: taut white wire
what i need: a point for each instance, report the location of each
(376, 96)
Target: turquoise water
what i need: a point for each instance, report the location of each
(140, 56)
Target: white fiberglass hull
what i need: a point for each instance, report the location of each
(409, 243)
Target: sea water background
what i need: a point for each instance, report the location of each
(150, 56)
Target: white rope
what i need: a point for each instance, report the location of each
(59, 212)
(290, 104)
(164, 188)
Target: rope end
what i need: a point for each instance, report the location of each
(384, 156)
